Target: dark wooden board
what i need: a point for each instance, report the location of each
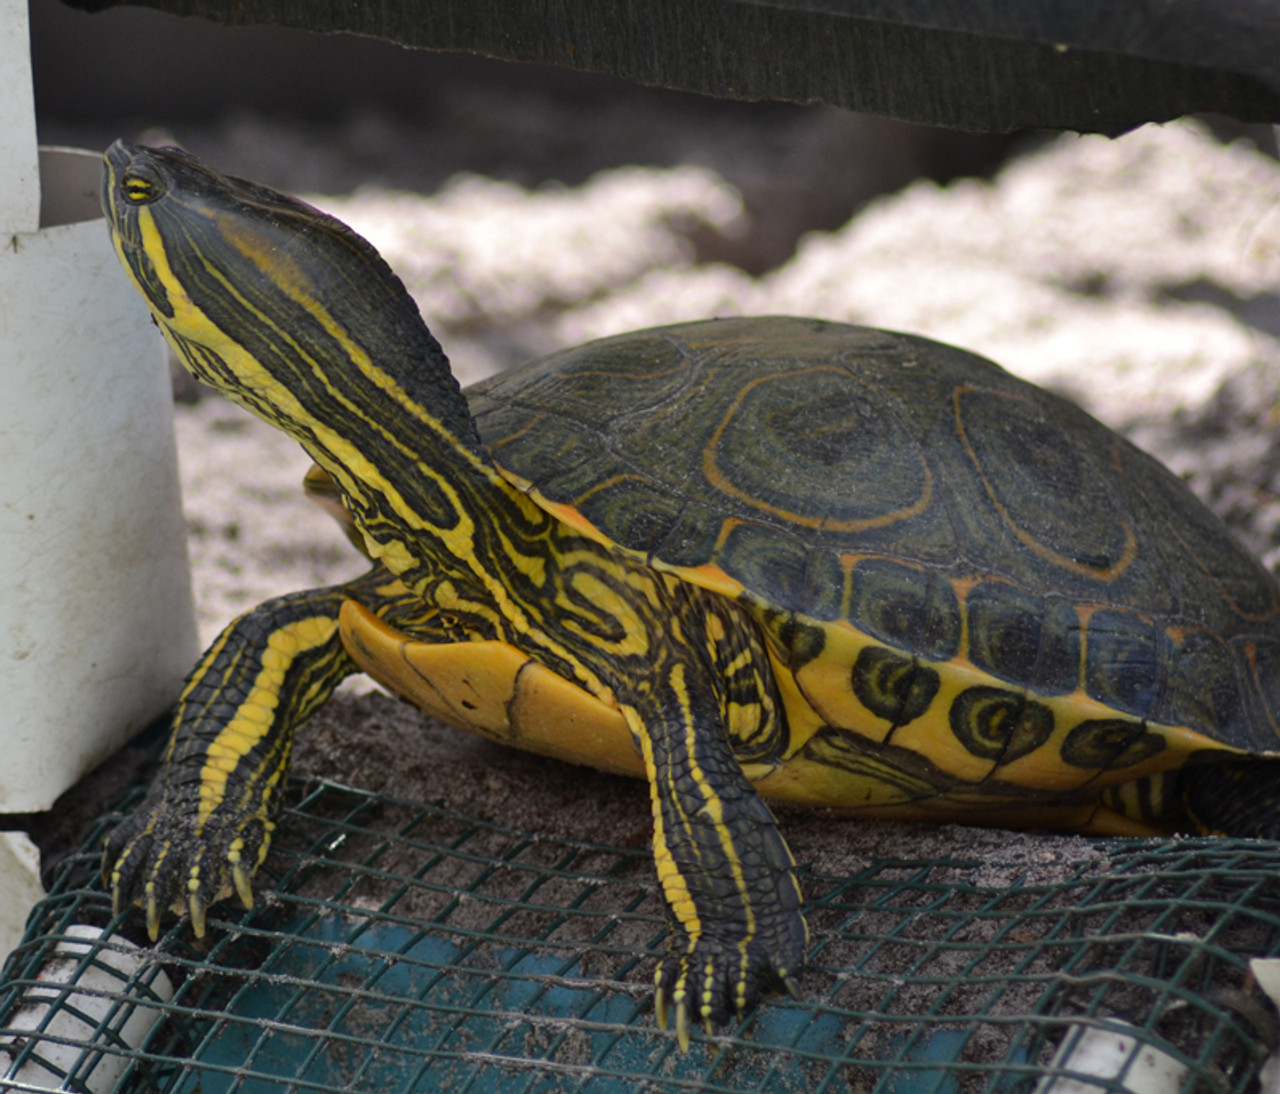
(996, 65)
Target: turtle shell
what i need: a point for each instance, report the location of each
(946, 560)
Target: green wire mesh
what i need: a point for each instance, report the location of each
(403, 947)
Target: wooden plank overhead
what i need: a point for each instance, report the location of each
(995, 65)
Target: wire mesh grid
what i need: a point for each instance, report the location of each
(404, 947)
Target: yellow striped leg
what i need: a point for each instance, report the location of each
(204, 827)
(726, 873)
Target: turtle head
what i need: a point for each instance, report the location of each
(284, 308)
(179, 228)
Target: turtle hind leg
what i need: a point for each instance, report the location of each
(1225, 794)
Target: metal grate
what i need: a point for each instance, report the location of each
(404, 947)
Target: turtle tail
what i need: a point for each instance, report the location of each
(1229, 795)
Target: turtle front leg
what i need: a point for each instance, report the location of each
(727, 876)
(205, 825)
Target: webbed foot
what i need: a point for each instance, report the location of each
(160, 860)
(205, 826)
(708, 982)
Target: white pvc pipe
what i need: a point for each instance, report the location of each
(19, 174)
(1106, 1053)
(97, 626)
(91, 1006)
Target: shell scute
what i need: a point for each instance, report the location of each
(893, 686)
(1191, 551)
(908, 606)
(1023, 638)
(998, 724)
(1110, 744)
(1123, 663)
(840, 429)
(1262, 656)
(1052, 494)
(767, 557)
(1203, 684)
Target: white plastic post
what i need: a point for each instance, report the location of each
(94, 994)
(20, 886)
(97, 626)
(19, 168)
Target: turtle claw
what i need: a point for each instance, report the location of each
(240, 878)
(159, 860)
(677, 994)
(153, 912)
(660, 1001)
(197, 908)
(682, 1025)
(714, 983)
(662, 1012)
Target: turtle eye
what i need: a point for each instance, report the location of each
(141, 184)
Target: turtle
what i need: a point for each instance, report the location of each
(748, 559)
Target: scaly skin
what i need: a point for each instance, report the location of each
(205, 826)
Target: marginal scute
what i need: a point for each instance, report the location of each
(893, 686)
(999, 725)
(905, 606)
(1263, 658)
(690, 538)
(1058, 668)
(767, 558)
(1022, 638)
(1122, 661)
(1201, 687)
(642, 515)
(823, 595)
(1110, 744)
(1004, 630)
